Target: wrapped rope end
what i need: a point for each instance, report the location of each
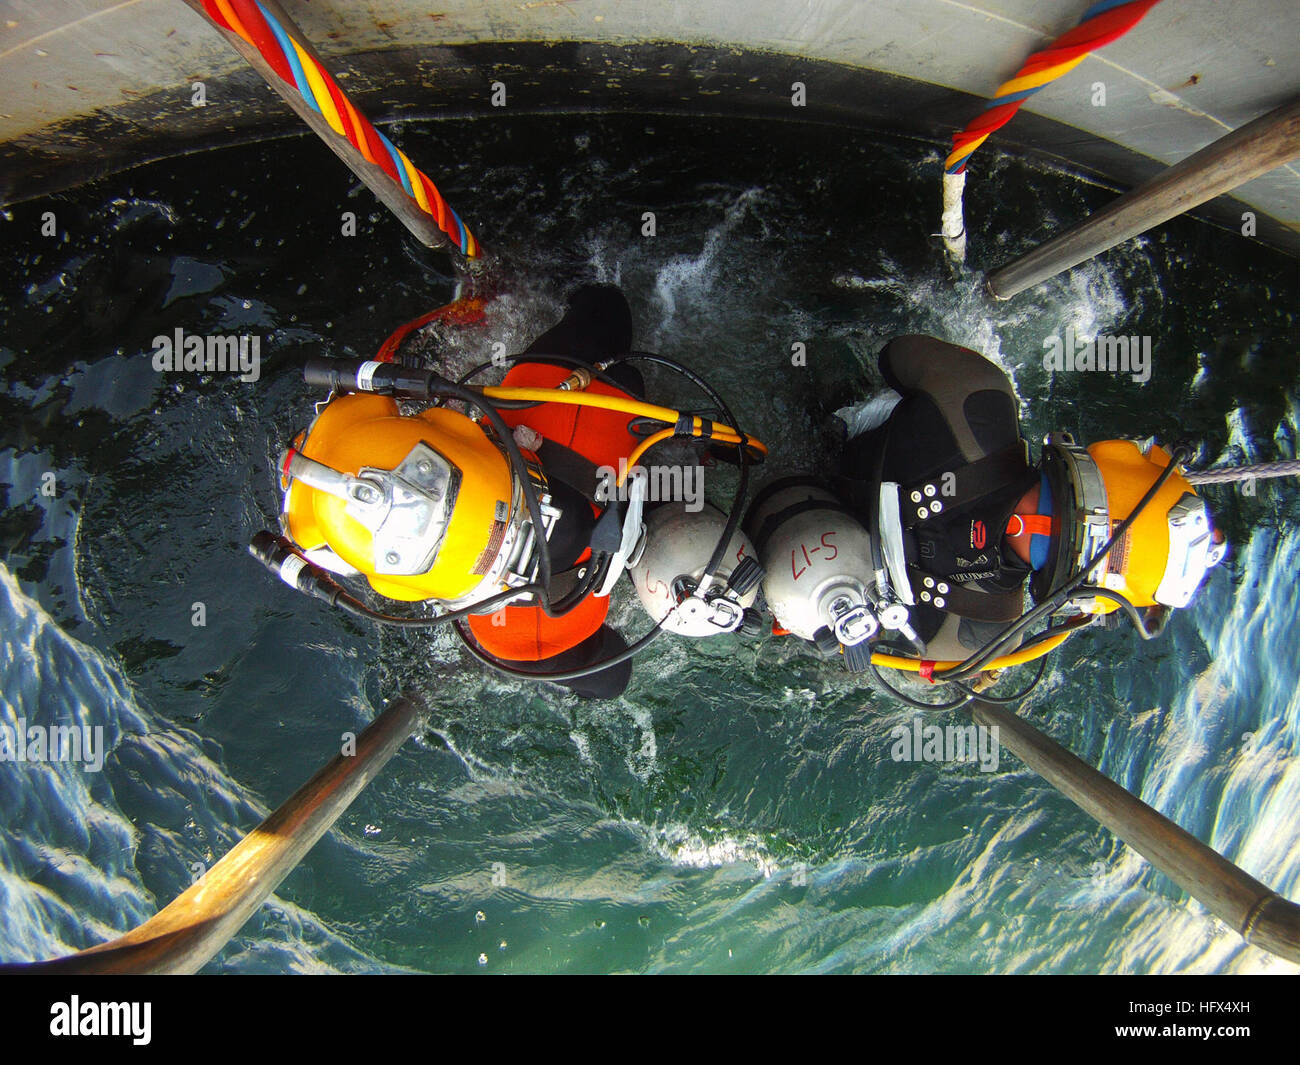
(953, 221)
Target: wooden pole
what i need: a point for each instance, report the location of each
(1246, 153)
(1256, 912)
(185, 935)
(390, 193)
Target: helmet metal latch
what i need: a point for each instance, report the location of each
(406, 509)
(1192, 551)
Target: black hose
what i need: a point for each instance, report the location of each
(1181, 454)
(352, 605)
(976, 662)
(742, 449)
(1125, 604)
(733, 518)
(684, 371)
(310, 579)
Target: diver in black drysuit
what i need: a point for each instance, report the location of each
(956, 416)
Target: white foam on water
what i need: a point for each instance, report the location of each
(1089, 300)
(689, 848)
(643, 761)
(690, 277)
(476, 769)
(582, 744)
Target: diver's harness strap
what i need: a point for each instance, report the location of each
(565, 464)
(626, 532)
(933, 509)
(564, 581)
(969, 484)
(991, 604)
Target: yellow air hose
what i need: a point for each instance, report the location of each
(665, 434)
(634, 407)
(1016, 658)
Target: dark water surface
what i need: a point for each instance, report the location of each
(737, 809)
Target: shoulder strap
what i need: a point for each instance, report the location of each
(998, 604)
(970, 483)
(567, 465)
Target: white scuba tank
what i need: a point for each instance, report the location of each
(678, 545)
(818, 562)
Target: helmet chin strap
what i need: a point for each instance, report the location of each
(1033, 524)
(1036, 524)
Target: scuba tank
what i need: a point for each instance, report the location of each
(678, 544)
(817, 558)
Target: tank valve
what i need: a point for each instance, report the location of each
(745, 577)
(718, 613)
(893, 615)
(825, 642)
(853, 623)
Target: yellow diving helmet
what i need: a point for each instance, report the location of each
(1162, 557)
(423, 506)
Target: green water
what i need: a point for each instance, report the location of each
(737, 809)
